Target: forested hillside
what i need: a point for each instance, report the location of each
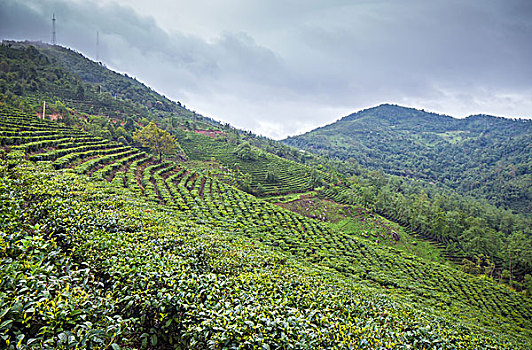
(226, 239)
(483, 156)
(84, 93)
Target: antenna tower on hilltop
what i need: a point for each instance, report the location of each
(97, 46)
(53, 29)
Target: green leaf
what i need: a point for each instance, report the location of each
(63, 338)
(4, 312)
(20, 339)
(32, 340)
(5, 324)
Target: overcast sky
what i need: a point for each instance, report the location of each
(282, 67)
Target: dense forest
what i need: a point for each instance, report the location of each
(222, 238)
(481, 156)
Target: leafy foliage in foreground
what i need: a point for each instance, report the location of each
(84, 266)
(94, 264)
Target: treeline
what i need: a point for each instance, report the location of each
(483, 238)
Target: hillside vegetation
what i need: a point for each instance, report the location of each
(214, 266)
(84, 93)
(261, 173)
(493, 241)
(232, 240)
(482, 156)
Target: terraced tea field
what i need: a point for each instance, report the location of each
(287, 176)
(182, 193)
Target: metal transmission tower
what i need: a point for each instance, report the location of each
(97, 46)
(53, 29)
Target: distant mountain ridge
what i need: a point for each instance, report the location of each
(484, 156)
(389, 112)
(403, 116)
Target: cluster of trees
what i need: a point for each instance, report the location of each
(492, 240)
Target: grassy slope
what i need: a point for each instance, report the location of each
(76, 251)
(359, 221)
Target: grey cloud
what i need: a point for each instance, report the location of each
(281, 67)
(130, 41)
(22, 22)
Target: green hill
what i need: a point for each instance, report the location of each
(483, 156)
(235, 241)
(85, 93)
(143, 252)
